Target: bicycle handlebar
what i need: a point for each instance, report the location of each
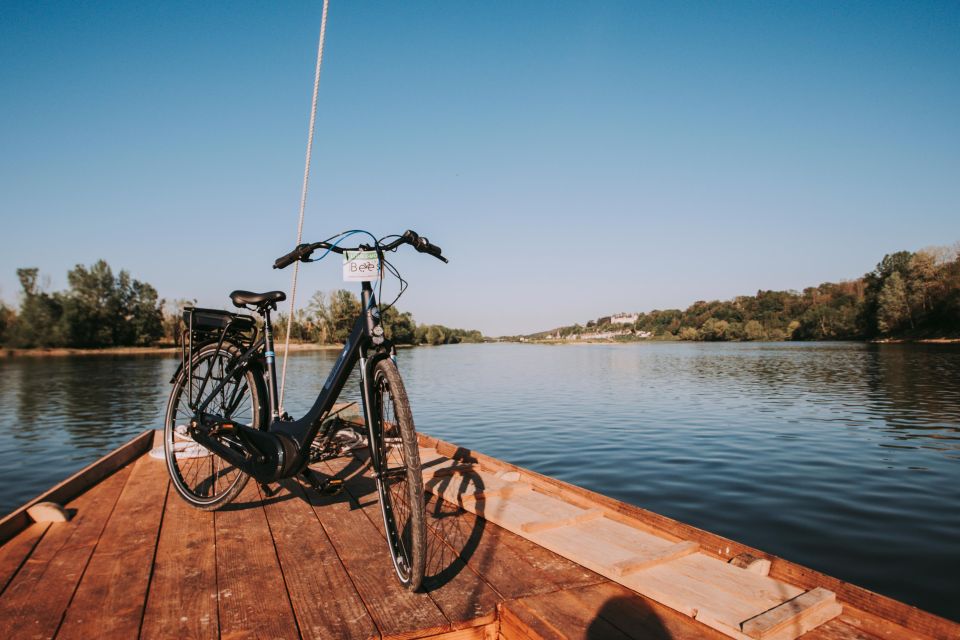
(304, 251)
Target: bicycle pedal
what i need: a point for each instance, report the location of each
(332, 487)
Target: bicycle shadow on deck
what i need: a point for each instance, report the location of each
(453, 534)
(457, 532)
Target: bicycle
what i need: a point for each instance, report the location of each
(223, 423)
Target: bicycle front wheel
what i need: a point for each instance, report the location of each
(202, 478)
(399, 482)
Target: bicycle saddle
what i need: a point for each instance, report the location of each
(241, 298)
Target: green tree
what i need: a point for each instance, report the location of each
(318, 315)
(7, 319)
(343, 308)
(92, 306)
(753, 330)
(689, 333)
(893, 308)
(38, 323)
(100, 310)
(714, 329)
(173, 318)
(399, 327)
(143, 314)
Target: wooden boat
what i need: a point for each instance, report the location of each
(513, 555)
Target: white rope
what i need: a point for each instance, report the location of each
(303, 197)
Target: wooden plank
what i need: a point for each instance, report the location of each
(733, 580)
(752, 563)
(712, 591)
(849, 629)
(447, 470)
(323, 596)
(463, 598)
(182, 599)
(396, 611)
(794, 617)
(468, 485)
(110, 598)
(637, 616)
(602, 555)
(486, 632)
(252, 598)
(14, 553)
(537, 526)
(513, 566)
(561, 615)
(879, 615)
(76, 484)
(513, 511)
(519, 623)
(639, 563)
(36, 599)
(693, 597)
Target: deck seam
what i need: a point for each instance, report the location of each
(216, 573)
(26, 557)
(276, 552)
(376, 526)
(153, 561)
(465, 562)
(303, 494)
(93, 550)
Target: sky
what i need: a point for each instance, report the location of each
(572, 159)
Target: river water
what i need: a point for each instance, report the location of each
(843, 457)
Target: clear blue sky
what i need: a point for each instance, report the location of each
(698, 150)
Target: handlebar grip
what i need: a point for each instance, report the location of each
(434, 250)
(299, 253)
(423, 245)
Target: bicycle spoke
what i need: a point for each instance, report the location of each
(199, 475)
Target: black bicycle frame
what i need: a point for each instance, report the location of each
(365, 345)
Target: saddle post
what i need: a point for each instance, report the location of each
(270, 357)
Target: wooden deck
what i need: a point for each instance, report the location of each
(136, 561)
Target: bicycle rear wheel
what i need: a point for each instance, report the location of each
(202, 478)
(399, 482)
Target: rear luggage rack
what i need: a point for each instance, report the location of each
(208, 326)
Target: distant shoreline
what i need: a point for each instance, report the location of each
(308, 346)
(135, 351)
(675, 340)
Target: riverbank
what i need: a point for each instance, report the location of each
(625, 340)
(137, 351)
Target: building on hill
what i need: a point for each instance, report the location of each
(624, 318)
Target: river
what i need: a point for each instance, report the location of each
(844, 457)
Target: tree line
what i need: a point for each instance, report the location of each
(100, 310)
(329, 317)
(909, 295)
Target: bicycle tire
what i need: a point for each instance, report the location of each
(399, 481)
(203, 479)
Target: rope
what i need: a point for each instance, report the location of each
(303, 197)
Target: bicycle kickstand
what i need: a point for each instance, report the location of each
(325, 486)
